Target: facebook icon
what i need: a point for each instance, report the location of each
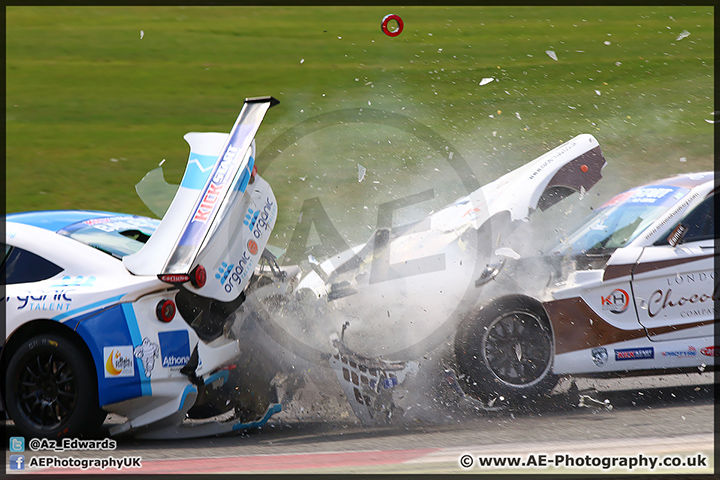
(17, 462)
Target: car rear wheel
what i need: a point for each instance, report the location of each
(505, 349)
(51, 389)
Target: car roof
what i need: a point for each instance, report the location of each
(55, 220)
(686, 180)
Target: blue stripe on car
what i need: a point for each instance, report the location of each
(224, 374)
(95, 305)
(188, 390)
(198, 171)
(109, 327)
(132, 324)
(245, 178)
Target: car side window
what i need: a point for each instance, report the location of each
(700, 223)
(22, 266)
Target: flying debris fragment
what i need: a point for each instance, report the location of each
(486, 80)
(507, 252)
(361, 173)
(682, 35)
(551, 54)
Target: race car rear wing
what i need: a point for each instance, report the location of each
(196, 213)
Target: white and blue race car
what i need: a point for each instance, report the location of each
(108, 312)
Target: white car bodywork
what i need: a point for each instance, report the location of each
(403, 293)
(384, 308)
(652, 305)
(150, 370)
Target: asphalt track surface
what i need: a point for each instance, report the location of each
(659, 416)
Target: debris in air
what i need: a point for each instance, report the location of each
(683, 159)
(486, 80)
(361, 173)
(507, 252)
(682, 35)
(142, 34)
(589, 402)
(551, 54)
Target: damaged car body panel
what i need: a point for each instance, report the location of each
(409, 275)
(630, 290)
(125, 317)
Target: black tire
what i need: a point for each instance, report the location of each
(505, 349)
(51, 389)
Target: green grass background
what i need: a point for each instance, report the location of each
(92, 106)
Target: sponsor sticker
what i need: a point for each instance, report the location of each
(634, 353)
(78, 281)
(174, 348)
(147, 352)
(231, 275)
(57, 300)
(690, 352)
(258, 221)
(710, 351)
(655, 195)
(119, 361)
(616, 301)
(599, 356)
(252, 247)
(116, 224)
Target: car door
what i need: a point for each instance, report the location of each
(675, 286)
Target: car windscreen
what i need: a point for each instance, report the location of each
(619, 221)
(118, 235)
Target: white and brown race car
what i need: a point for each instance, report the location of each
(633, 289)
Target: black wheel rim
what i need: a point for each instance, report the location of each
(518, 348)
(47, 390)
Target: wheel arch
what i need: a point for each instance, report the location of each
(510, 299)
(36, 327)
(479, 377)
(531, 301)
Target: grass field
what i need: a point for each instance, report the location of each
(97, 96)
